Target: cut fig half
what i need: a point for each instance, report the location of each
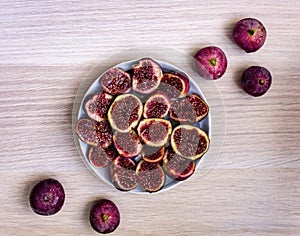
(176, 166)
(175, 85)
(97, 106)
(97, 134)
(147, 75)
(154, 132)
(116, 81)
(151, 176)
(123, 173)
(127, 144)
(153, 154)
(125, 112)
(190, 109)
(189, 141)
(157, 105)
(100, 157)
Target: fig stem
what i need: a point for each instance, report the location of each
(261, 81)
(251, 31)
(213, 61)
(104, 217)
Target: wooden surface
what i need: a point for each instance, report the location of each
(47, 48)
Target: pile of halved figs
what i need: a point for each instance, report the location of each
(143, 126)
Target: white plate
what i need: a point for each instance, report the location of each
(91, 86)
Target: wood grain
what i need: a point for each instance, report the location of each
(46, 50)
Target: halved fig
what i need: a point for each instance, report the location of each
(189, 141)
(125, 112)
(155, 132)
(157, 105)
(101, 157)
(191, 109)
(153, 154)
(175, 85)
(147, 75)
(176, 166)
(151, 176)
(97, 106)
(127, 144)
(116, 81)
(123, 173)
(98, 134)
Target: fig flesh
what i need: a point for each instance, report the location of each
(127, 144)
(100, 157)
(190, 109)
(97, 106)
(104, 216)
(116, 81)
(125, 112)
(177, 167)
(189, 141)
(157, 106)
(123, 173)
(153, 154)
(175, 85)
(147, 75)
(151, 176)
(97, 134)
(154, 132)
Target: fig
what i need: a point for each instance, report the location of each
(116, 81)
(125, 112)
(146, 77)
(97, 106)
(210, 62)
(47, 197)
(100, 157)
(249, 34)
(153, 154)
(104, 216)
(123, 175)
(151, 176)
(157, 106)
(256, 80)
(127, 144)
(189, 141)
(190, 109)
(97, 134)
(154, 132)
(174, 84)
(176, 166)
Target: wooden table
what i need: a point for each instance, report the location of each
(48, 47)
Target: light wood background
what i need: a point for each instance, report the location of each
(47, 48)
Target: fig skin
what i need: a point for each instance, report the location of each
(104, 216)
(189, 141)
(157, 105)
(190, 109)
(177, 167)
(175, 85)
(154, 132)
(97, 134)
(116, 81)
(153, 154)
(47, 197)
(125, 112)
(146, 77)
(249, 34)
(97, 106)
(127, 144)
(100, 157)
(123, 173)
(210, 62)
(256, 80)
(147, 173)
